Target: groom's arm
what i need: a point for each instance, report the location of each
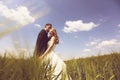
(40, 42)
(49, 37)
(41, 36)
(49, 48)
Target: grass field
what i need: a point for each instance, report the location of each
(106, 67)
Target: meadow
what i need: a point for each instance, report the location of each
(105, 67)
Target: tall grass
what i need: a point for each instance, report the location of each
(24, 69)
(105, 67)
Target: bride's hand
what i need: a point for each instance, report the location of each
(41, 57)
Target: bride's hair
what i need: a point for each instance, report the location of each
(54, 33)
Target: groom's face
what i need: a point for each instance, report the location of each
(48, 28)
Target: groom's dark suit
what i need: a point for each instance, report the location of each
(42, 41)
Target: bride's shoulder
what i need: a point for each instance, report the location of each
(52, 37)
(51, 40)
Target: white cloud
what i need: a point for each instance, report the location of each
(75, 26)
(86, 50)
(21, 14)
(1, 52)
(100, 47)
(11, 51)
(8, 49)
(37, 25)
(76, 37)
(8, 1)
(93, 43)
(118, 25)
(61, 41)
(118, 36)
(16, 18)
(107, 43)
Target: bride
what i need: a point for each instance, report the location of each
(54, 60)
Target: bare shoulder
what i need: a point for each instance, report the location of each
(52, 41)
(53, 38)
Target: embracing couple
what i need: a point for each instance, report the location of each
(44, 50)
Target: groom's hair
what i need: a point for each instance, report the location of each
(48, 24)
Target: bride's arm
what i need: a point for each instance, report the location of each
(50, 47)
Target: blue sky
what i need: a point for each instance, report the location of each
(85, 27)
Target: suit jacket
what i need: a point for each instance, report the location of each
(42, 42)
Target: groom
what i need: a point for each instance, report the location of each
(42, 40)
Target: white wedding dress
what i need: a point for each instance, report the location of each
(57, 63)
